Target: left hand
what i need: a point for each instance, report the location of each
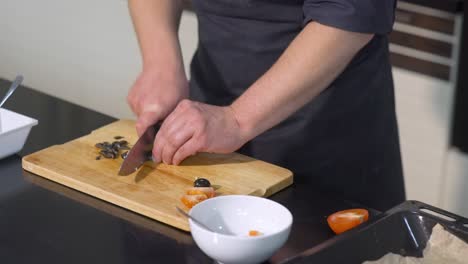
(196, 127)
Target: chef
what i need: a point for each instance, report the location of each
(304, 84)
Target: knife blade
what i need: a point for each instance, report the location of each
(140, 152)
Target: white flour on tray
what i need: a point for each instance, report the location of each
(442, 248)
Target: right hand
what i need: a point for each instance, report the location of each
(154, 95)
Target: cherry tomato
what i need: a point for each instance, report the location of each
(208, 191)
(345, 220)
(191, 200)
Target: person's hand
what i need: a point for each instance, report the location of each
(196, 127)
(155, 94)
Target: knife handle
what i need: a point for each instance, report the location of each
(149, 156)
(149, 153)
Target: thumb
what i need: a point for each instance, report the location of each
(145, 120)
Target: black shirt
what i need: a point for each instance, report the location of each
(345, 141)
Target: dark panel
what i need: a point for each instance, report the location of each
(424, 21)
(460, 122)
(425, 67)
(420, 43)
(445, 5)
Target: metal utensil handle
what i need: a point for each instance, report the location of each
(193, 219)
(18, 80)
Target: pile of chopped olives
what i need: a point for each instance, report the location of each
(112, 150)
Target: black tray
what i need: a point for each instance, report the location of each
(403, 230)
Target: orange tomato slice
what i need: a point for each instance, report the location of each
(345, 220)
(254, 233)
(208, 191)
(191, 200)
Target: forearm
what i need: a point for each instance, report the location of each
(156, 25)
(310, 64)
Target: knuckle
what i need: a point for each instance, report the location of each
(176, 137)
(185, 104)
(198, 120)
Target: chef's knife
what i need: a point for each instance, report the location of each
(140, 152)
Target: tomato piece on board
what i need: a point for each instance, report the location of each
(191, 200)
(208, 191)
(345, 220)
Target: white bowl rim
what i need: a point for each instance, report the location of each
(289, 214)
(31, 122)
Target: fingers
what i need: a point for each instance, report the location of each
(170, 136)
(133, 96)
(145, 120)
(131, 102)
(178, 128)
(171, 142)
(191, 147)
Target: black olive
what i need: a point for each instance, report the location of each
(112, 150)
(115, 151)
(98, 157)
(107, 154)
(101, 145)
(202, 182)
(124, 155)
(115, 145)
(104, 145)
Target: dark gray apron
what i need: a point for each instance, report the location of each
(344, 142)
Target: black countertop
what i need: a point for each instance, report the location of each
(44, 222)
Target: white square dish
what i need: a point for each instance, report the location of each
(14, 130)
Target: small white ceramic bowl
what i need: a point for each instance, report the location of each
(233, 216)
(14, 130)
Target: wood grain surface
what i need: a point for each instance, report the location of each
(154, 190)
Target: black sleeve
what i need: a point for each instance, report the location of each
(365, 16)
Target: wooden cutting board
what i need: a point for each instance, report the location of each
(154, 190)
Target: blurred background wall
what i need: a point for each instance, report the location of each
(86, 52)
(82, 51)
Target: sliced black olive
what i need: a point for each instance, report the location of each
(99, 145)
(115, 145)
(107, 154)
(112, 150)
(115, 151)
(124, 155)
(124, 148)
(202, 182)
(98, 157)
(104, 145)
